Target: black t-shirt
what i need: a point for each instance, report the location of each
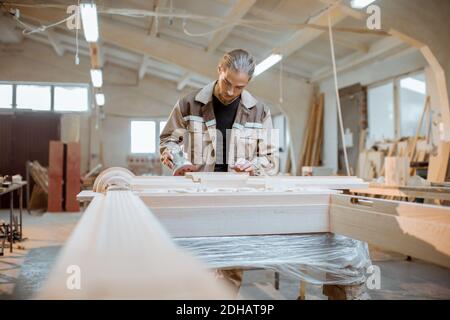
(225, 115)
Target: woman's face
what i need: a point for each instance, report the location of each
(231, 84)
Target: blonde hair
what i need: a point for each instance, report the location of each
(239, 60)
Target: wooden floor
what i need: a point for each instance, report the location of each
(23, 272)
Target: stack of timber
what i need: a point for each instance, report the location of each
(312, 146)
(415, 150)
(39, 194)
(372, 161)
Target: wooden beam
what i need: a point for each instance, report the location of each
(55, 42)
(383, 47)
(72, 181)
(417, 230)
(131, 38)
(94, 50)
(302, 37)
(120, 251)
(55, 176)
(183, 81)
(154, 21)
(143, 67)
(341, 41)
(237, 12)
(440, 193)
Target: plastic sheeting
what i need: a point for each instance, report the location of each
(314, 258)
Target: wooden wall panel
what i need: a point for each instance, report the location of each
(25, 136)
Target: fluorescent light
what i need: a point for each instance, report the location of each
(97, 77)
(100, 99)
(90, 23)
(267, 63)
(414, 85)
(359, 4)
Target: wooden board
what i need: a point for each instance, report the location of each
(227, 180)
(236, 220)
(421, 231)
(397, 171)
(118, 250)
(437, 169)
(55, 176)
(439, 193)
(72, 184)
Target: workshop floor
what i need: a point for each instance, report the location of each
(23, 271)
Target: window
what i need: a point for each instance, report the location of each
(162, 124)
(6, 96)
(34, 97)
(380, 103)
(71, 98)
(395, 107)
(143, 137)
(412, 95)
(57, 97)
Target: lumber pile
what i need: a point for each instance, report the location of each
(39, 194)
(39, 175)
(372, 161)
(312, 146)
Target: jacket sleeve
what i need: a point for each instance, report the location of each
(268, 159)
(174, 131)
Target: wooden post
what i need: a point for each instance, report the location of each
(73, 158)
(55, 176)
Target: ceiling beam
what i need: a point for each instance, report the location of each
(183, 81)
(143, 67)
(339, 40)
(193, 60)
(55, 42)
(379, 49)
(154, 21)
(237, 12)
(304, 36)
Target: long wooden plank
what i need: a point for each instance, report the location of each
(439, 193)
(55, 176)
(439, 163)
(73, 185)
(237, 220)
(252, 200)
(119, 250)
(421, 231)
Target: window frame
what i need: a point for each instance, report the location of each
(157, 121)
(52, 86)
(396, 96)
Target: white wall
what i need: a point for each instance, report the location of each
(366, 75)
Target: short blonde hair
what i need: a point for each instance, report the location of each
(239, 60)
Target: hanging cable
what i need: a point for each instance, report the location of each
(77, 21)
(341, 124)
(281, 82)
